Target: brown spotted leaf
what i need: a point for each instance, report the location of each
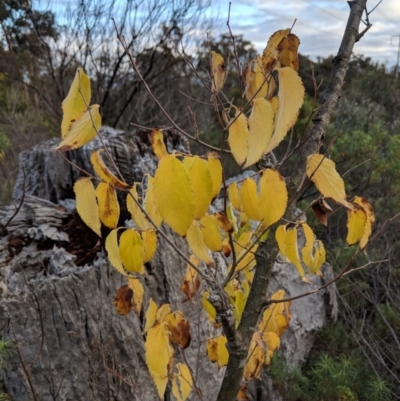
(179, 329)
(123, 300)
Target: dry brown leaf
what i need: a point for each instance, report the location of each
(287, 49)
(179, 329)
(321, 210)
(123, 300)
(191, 281)
(223, 222)
(271, 52)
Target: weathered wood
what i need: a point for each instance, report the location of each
(47, 175)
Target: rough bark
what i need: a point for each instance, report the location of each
(267, 254)
(45, 174)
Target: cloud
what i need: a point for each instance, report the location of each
(320, 25)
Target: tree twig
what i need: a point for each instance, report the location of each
(149, 91)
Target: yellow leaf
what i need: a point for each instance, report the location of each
(150, 245)
(82, 130)
(179, 329)
(291, 96)
(113, 251)
(271, 52)
(182, 383)
(255, 360)
(238, 138)
(157, 143)
(274, 104)
(238, 294)
(187, 161)
(243, 218)
(108, 205)
(216, 350)
(243, 241)
(245, 259)
(280, 236)
(215, 167)
(261, 125)
(318, 257)
(86, 204)
(272, 341)
(202, 186)
(248, 273)
(196, 243)
(159, 355)
(218, 72)
(356, 221)
(174, 195)
(291, 250)
(323, 174)
(150, 315)
(255, 83)
(209, 308)
(103, 171)
(230, 215)
(131, 250)
(223, 221)
(273, 197)
(248, 261)
(249, 199)
(211, 234)
(162, 312)
(191, 280)
(359, 200)
(233, 194)
(138, 293)
(309, 244)
(150, 203)
(137, 215)
(76, 102)
(276, 317)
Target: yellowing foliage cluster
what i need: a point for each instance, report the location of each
(180, 195)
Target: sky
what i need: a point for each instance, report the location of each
(320, 25)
